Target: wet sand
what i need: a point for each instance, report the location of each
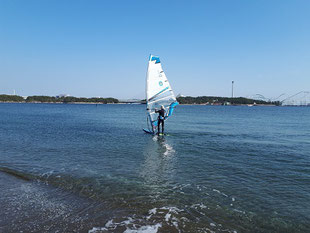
(31, 206)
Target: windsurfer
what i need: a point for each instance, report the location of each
(161, 119)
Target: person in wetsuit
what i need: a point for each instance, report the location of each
(161, 118)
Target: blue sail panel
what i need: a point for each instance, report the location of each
(172, 106)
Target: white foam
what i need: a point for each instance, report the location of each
(128, 221)
(109, 223)
(184, 185)
(215, 190)
(47, 174)
(133, 225)
(172, 209)
(201, 206)
(185, 219)
(239, 211)
(144, 229)
(175, 223)
(209, 230)
(218, 191)
(152, 211)
(167, 217)
(97, 229)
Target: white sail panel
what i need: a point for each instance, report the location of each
(158, 92)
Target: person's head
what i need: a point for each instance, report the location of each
(162, 107)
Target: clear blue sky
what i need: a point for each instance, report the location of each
(100, 48)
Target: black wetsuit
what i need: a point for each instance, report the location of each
(161, 119)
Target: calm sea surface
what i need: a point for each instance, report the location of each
(88, 168)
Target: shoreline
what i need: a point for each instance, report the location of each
(14, 102)
(94, 103)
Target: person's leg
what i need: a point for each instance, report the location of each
(162, 126)
(158, 125)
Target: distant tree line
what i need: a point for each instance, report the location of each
(223, 100)
(52, 99)
(11, 98)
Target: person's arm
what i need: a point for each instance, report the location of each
(156, 111)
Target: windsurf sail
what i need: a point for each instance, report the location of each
(158, 93)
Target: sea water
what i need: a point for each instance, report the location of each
(91, 168)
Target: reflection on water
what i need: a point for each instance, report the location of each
(169, 151)
(159, 162)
